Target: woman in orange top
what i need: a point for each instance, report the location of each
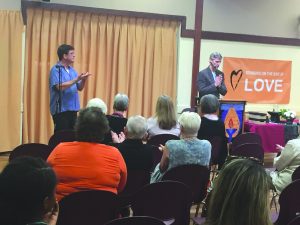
(88, 164)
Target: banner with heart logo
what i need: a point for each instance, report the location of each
(257, 80)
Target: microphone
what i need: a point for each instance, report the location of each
(219, 73)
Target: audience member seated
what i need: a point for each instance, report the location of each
(99, 103)
(27, 193)
(137, 156)
(240, 195)
(188, 150)
(286, 164)
(117, 120)
(211, 125)
(88, 164)
(164, 121)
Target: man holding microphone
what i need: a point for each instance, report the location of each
(64, 83)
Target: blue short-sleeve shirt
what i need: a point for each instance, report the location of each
(70, 97)
(190, 151)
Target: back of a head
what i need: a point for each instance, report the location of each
(209, 104)
(240, 195)
(91, 125)
(97, 102)
(215, 55)
(121, 102)
(165, 112)
(136, 127)
(24, 184)
(190, 122)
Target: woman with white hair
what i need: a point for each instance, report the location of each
(117, 120)
(99, 103)
(188, 150)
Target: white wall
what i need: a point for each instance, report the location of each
(184, 80)
(10, 4)
(174, 7)
(276, 18)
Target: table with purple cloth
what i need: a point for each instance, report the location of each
(272, 133)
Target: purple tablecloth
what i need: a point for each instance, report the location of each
(271, 134)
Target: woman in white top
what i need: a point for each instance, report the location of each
(286, 164)
(164, 121)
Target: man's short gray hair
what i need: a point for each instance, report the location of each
(209, 104)
(215, 55)
(136, 127)
(97, 102)
(190, 121)
(121, 102)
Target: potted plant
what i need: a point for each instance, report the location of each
(288, 115)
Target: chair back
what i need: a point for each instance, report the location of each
(32, 149)
(61, 136)
(136, 179)
(136, 220)
(161, 139)
(246, 138)
(87, 207)
(164, 200)
(216, 148)
(158, 140)
(196, 177)
(248, 150)
(295, 221)
(156, 154)
(296, 174)
(289, 201)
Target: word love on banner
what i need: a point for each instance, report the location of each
(257, 80)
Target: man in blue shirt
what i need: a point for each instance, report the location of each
(64, 83)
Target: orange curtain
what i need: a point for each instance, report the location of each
(11, 27)
(134, 56)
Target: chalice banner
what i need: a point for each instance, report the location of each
(257, 80)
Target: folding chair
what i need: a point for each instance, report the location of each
(61, 136)
(289, 201)
(164, 200)
(136, 220)
(196, 177)
(32, 149)
(88, 207)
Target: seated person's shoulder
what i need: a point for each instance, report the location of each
(149, 147)
(116, 124)
(173, 142)
(204, 143)
(151, 121)
(115, 145)
(295, 141)
(112, 118)
(112, 148)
